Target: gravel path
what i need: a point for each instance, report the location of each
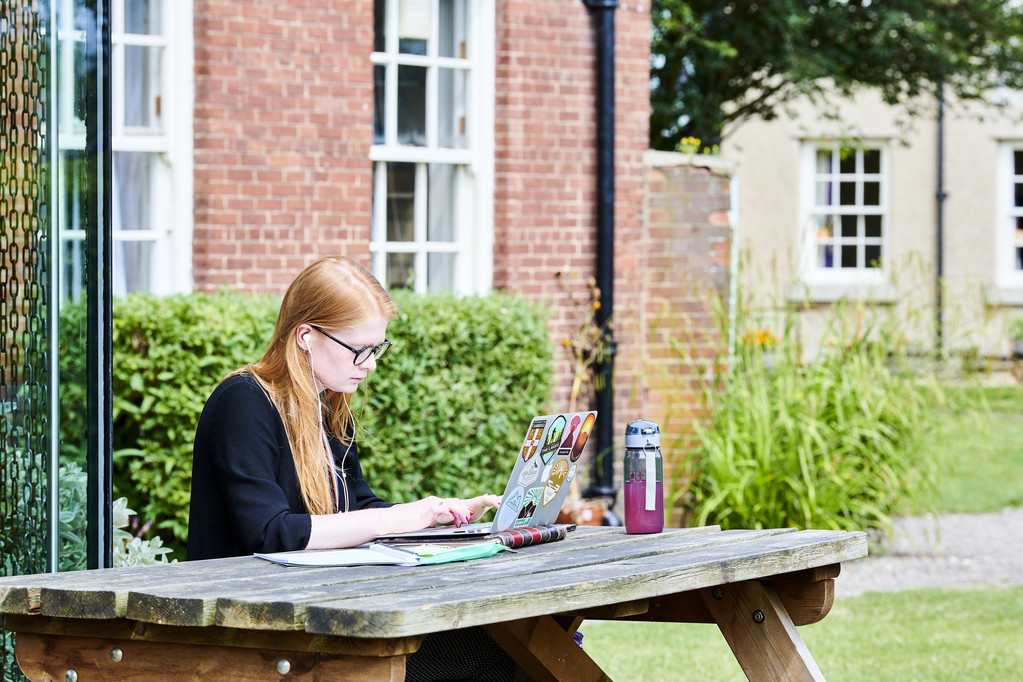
(954, 551)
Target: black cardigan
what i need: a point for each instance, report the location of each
(245, 491)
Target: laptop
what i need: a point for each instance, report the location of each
(539, 481)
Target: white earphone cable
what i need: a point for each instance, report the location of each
(336, 481)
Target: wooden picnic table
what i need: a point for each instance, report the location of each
(247, 618)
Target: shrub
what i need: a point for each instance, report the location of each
(453, 398)
(464, 377)
(827, 443)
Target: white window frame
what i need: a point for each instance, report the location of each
(474, 220)
(1008, 276)
(170, 211)
(830, 284)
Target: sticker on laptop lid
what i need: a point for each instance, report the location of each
(532, 441)
(558, 475)
(584, 434)
(529, 473)
(553, 440)
(573, 430)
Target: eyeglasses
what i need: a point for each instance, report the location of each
(361, 354)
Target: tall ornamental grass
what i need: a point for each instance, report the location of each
(826, 442)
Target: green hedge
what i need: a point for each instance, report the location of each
(443, 411)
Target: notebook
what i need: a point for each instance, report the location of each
(539, 480)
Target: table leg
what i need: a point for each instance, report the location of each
(545, 650)
(760, 632)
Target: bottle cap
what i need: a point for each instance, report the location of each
(642, 434)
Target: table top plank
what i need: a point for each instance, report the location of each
(577, 588)
(280, 601)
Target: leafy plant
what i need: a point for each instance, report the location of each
(1016, 329)
(832, 442)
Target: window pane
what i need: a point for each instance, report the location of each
(847, 162)
(400, 270)
(849, 225)
(872, 161)
(451, 28)
(872, 252)
(379, 22)
(1019, 194)
(451, 103)
(825, 256)
(825, 228)
(412, 107)
(872, 224)
(824, 193)
(401, 195)
(379, 88)
(413, 26)
(132, 266)
(143, 17)
(823, 161)
(872, 194)
(1017, 157)
(440, 271)
(443, 199)
(132, 182)
(849, 256)
(847, 193)
(142, 86)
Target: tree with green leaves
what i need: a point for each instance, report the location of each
(715, 63)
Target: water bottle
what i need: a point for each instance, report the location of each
(644, 478)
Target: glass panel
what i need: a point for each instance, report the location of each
(1017, 158)
(872, 161)
(872, 225)
(440, 225)
(401, 195)
(1019, 258)
(142, 86)
(440, 271)
(823, 161)
(379, 88)
(848, 255)
(825, 256)
(413, 26)
(1018, 187)
(825, 227)
(824, 193)
(412, 105)
(132, 267)
(872, 253)
(451, 104)
(451, 28)
(847, 162)
(132, 183)
(847, 193)
(143, 17)
(872, 194)
(400, 270)
(849, 225)
(379, 23)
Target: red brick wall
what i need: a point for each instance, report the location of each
(283, 127)
(686, 266)
(545, 170)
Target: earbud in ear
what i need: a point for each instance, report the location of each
(305, 340)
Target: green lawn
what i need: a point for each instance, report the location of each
(979, 444)
(953, 635)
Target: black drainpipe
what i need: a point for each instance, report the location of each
(602, 478)
(941, 196)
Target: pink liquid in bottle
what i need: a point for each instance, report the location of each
(639, 519)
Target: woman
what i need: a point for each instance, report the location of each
(275, 465)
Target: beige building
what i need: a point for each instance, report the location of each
(833, 211)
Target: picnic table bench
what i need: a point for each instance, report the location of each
(246, 618)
